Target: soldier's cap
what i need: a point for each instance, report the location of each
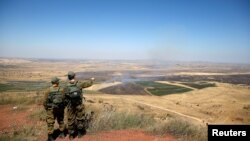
(71, 74)
(54, 80)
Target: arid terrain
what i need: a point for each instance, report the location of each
(188, 95)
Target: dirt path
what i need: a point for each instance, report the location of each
(177, 84)
(168, 110)
(201, 121)
(146, 90)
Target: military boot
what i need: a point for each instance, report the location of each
(61, 135)
(81, 132)
(71, 135)
(50, 137)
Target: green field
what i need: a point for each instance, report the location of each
(160, 89)
(23, 85)
(199, 85)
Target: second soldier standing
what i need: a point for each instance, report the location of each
(54, 106)
(75, 107)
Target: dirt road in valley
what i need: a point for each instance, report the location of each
(225, 103)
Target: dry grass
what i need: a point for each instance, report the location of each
(39, 115)
(106, 120)
(180, 128)
(23, 98)
(24, 133)
(230, 102)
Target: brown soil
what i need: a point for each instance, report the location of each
(122, 135)
(12, 119)
(15, 119)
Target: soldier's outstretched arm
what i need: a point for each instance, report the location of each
(88, 83)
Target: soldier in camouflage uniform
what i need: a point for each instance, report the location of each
(53, 103)
(75, 108)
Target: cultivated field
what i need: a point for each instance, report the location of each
(148, 100)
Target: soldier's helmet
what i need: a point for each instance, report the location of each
(54, 80)
(71, 74)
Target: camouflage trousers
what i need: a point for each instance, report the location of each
(76, 118)
(52, 115)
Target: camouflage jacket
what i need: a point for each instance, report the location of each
(79, 84)
(46, 95)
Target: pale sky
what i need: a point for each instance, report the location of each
(213, 30)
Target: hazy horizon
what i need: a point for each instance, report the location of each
(172, 30)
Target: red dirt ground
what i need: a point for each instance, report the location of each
(18, 118)
(12, 118)
(121, 135)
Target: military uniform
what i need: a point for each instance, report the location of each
(75, 107)
(54, 112)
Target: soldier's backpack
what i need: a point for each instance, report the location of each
(74, 93)
(55, 98)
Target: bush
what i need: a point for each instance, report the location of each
(116, 121)
(182, 129)
(12, 138)
(25, 133)
(40, 115)
(111, 120)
